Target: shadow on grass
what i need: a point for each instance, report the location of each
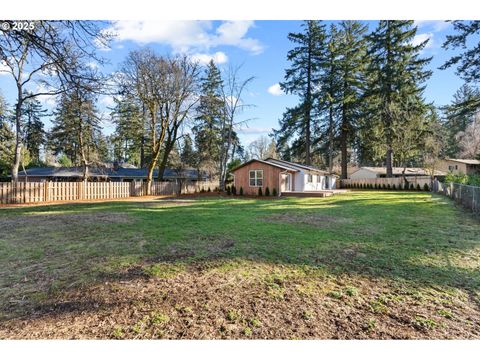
(398, 236)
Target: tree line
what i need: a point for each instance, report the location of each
(361, 97)
(169, 110)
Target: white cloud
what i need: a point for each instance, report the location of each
(420, 38)
(275, 90)
(254, 130)
(47, 100)
(4, 69)
(434, 25)
(219, 58)
(183, 36)
(93, 65)
(106, 101)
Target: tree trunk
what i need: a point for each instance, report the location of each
(330, 139)
(18, 137)
(344, 151)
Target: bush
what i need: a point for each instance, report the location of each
(394, 187)
(388, 186)
(209, 189)
(234, 190)
(418, 187)
(267, 191)
(241, 191)
(229, 192)
(384, 186)
(202, 190)
(412, 187)
(260, 192)
(426, 187)
(274, 192)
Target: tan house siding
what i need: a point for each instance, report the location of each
(459, 168)
(271, 178)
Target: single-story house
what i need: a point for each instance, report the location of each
(283, 176)
(369, 172)
(117, 174)
(461, 166)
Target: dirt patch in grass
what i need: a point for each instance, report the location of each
(248, 300)
(52, 220)
(312, 219)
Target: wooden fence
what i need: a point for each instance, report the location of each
(380, 182)
(37, 192)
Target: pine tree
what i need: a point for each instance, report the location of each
(34, 135)
(76, 129)
(352, 77)
(396, 74)
(129, 136)
(207, 125)
(458, 115)
(307, 59)
(468, 62)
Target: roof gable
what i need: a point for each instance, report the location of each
(263, 162)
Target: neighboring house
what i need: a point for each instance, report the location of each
(117, 174)
(283, 176)
(368, 172)
(461, 166)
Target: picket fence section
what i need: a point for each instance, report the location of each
(37, 192)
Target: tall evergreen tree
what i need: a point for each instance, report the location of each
(352, 50)
(76, 130)
(307, 59)
(458, 115)
(207, 127)
(396, 73)
(34, 135)
(468, 61)
(129, 136)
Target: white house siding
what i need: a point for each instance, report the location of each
(363, 174)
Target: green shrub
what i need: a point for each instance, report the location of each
(234, 190)
(384, 186)
(229, 192)
(202, 190)
(241, 191)
(412, 187)
(274, 192)
(426, 187)
(394, 187)
(267, 191)
(209, 189)
(260, 192)
(418, 187)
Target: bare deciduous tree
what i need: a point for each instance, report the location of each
(51, 56)
(166, 88)
(469, 140)
(232, 93)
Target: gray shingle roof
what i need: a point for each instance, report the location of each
(107, 172)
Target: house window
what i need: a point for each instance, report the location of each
(450, 167)
(256, 178)
(310, 178)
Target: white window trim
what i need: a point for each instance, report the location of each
(256, 178)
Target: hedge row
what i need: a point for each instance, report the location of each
(409, 186)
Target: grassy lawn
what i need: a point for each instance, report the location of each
(358, 265)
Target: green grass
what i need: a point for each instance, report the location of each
(401, 236)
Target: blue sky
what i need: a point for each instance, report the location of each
(260, 47)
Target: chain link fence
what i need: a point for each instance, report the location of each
(465, 195)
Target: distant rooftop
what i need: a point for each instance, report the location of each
(120, 172)
(399, 170)
(466, 161)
